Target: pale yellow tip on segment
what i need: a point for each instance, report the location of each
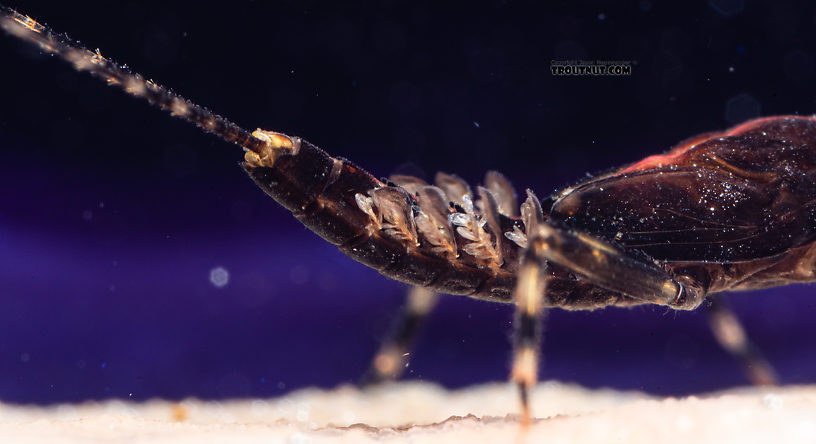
(275, 144)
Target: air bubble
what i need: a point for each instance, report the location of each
(219, 276)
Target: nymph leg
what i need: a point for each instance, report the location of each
(602, 264)
(732, 337)
(392, 357)
(530, 288)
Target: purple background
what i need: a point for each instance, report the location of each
(112, 214)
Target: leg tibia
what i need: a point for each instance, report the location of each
(732, 337)
(530, 290)
(392, 357)
(606, 266)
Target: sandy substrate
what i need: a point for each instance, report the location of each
(420, 413)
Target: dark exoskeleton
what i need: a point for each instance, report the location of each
(722, 211)
(725, 211)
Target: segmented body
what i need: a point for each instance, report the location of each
(731, 210)
(386, 238)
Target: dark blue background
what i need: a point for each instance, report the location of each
(112, 214)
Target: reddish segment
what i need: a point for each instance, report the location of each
(673, 156)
